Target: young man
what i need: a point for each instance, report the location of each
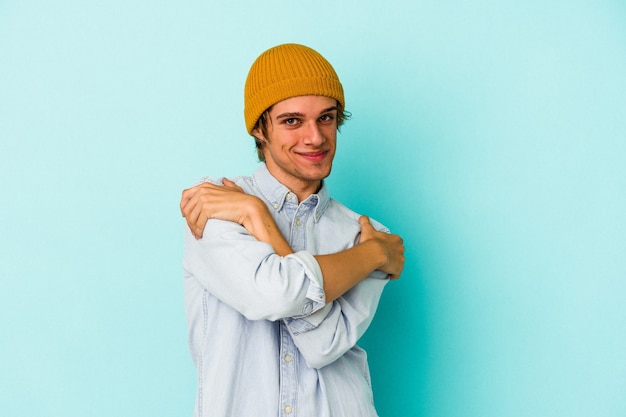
(281, 281)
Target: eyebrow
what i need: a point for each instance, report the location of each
(298, 114)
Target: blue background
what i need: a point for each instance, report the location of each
(491, 135)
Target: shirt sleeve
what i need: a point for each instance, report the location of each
(325, 335)
(249, 276)
(328, 333)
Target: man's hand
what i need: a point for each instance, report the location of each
(392, 246)
(207, 201)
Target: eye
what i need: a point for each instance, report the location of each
(292, 121)
(327, 118)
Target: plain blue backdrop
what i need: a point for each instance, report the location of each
(490, 134)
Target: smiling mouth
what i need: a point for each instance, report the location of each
(314, 156)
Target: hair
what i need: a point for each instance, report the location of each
(261, 123)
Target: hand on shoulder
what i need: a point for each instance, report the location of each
(391, 245)
(207, 201)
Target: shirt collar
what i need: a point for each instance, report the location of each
(276, 193)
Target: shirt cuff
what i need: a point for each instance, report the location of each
(315, 291)
(379, 275)
(298, 325)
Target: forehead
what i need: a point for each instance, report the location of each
(304, 104)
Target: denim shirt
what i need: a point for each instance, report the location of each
(261, 335)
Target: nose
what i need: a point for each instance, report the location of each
(313, 135)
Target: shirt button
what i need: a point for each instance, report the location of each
(287, 358)
(288, 409)
(275, 205)
(308, 307)
(298, 223)
(289, 196)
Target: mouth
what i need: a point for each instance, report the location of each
(314, 157)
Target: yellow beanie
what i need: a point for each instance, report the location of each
(286, 71)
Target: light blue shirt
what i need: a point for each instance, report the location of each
(262, 337)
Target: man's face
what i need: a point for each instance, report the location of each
(301, 141)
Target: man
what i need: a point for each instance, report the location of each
(282, 280)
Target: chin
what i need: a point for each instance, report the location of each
(322, 175)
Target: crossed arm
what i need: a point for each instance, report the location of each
(341, 271)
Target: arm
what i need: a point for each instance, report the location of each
(376, 251)
(247, 275)
(228, 202)
(327, 333)
(341, 271)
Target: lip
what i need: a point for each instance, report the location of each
(313, 156)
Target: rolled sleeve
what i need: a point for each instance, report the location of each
(315, 291)
(325, 335)
(250, 277)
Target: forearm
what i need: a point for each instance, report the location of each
(260, 223)
(343, 270)
(325, 335)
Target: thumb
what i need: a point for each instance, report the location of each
(364, 221)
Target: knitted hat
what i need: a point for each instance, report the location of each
(286, 71)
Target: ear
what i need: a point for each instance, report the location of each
(258, 134)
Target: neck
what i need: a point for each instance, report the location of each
(301, 187)
(303, 194)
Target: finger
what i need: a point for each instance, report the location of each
(197, 231)
(230, 184)
(186, 206)
(187, 196)
(184, 199)
(193, 217)
(191, 197)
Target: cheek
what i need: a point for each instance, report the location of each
(330, 132)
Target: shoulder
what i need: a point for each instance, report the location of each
(339, 212)
(211, 180)
(247, 183)
(240, 180)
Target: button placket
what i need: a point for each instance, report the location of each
(298, 240)
(288, 374)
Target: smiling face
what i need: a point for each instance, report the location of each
(300, 143)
